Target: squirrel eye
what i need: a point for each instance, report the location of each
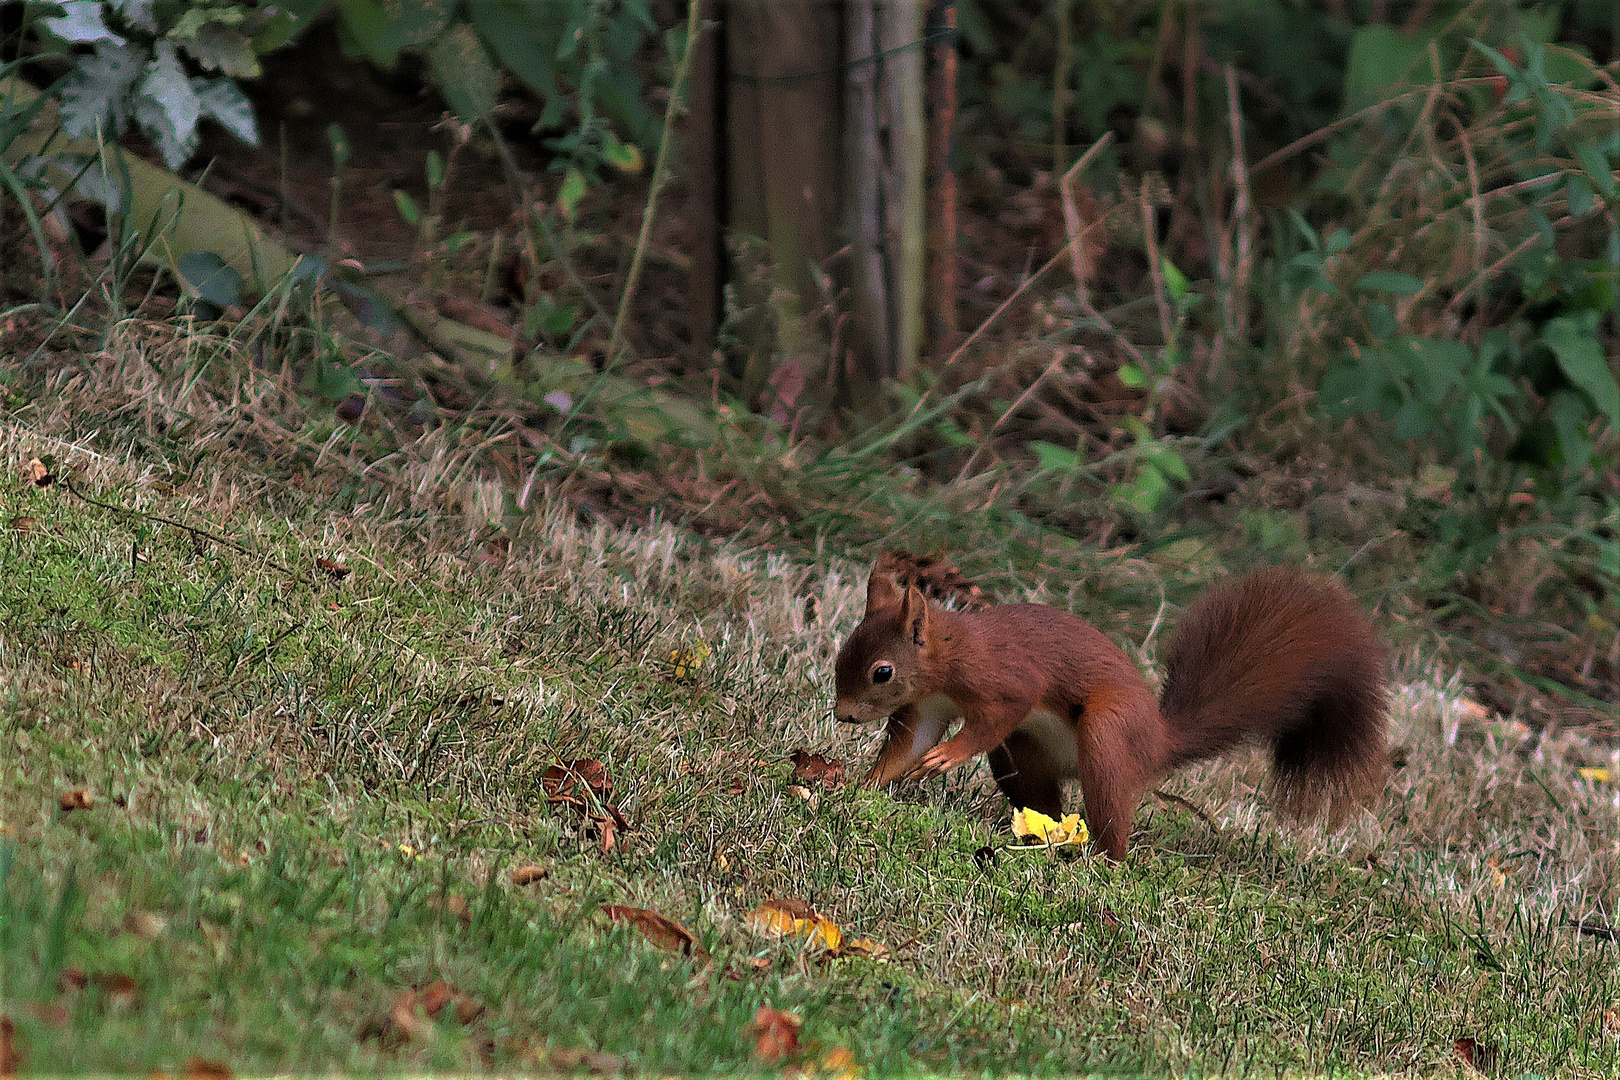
(882, 673)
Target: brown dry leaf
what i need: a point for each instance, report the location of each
(22, 524)
(580, 784)
(935, 575)
(119, 988)
(413, 1011)
(597, 1061)
(77, 799)
(144, 924)
(454, 907)
(528, 875)
(51, 1013)
(662, 931)
(37, 473)
(813, 768)
(609, 834)
(1477, 1055)
(332, 568)
(776, 1035)
(200, 1068)
(11, 1054)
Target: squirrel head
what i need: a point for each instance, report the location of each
(879, 668)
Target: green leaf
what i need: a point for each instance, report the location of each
(80, 23)
(213, 278)
(339, 140)
(573, 189)
(1578, 194)
(1389, 281)
(462, 68)
(407, 207)
(1381, 319)
(223, 101)
(1580, 356)
(435, 170)
(167, 108)
(1337, 241)
(1382, 60)
(99, 89)
(1596, 166)
(625, 157)
(1131, 375)
(1054, 458)
(1174, 280)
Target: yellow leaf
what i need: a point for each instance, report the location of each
(840, 1064)
(688, 661)
(1071, 831)
(824, 930)
(865, 946)
(795, 917)
(1597, 776)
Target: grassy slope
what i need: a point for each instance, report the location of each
(259, 747)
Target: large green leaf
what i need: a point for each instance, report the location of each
(1579, 355)
(466, 77)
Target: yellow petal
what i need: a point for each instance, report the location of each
(1597, 776)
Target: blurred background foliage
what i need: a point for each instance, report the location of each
(1338, 282)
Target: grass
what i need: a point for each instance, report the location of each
(309, 795)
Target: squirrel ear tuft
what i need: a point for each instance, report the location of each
(914, 614)
(881, 591)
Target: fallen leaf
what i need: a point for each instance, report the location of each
(776, 1035)
(1596, 776)
(609, 834)
(51, 1013)
(839, 1063)
(11, 1054)
(813, 768)
(144, 924)
(38, 473)
(119, 988)
(688, 662)
(865, 946)
(413, 1010)
(578, 784)
(71, 977)
(200, 1068)
(77, 799)
(1071, 831)
(22, 524)
(335, 570)
(799, 791)
(794, 917)
(596, 1061)
(528, 875)
(454, 907)
(662, 931)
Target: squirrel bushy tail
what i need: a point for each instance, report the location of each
(1288, 659)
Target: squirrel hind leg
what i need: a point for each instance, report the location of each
(1335, 760)
(1026, 774)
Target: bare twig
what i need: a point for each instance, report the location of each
(1237, 293)
(659, 177)
(200, 533)
(1072, 224)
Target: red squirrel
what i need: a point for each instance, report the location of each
(1279, 656)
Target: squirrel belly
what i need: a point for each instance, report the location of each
(1280, 656)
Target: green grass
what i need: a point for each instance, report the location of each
(260, 746)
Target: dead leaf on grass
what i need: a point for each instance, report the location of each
(76, 799)
(776, 1035)
(11, 1054)
(332, 568)
(453, 907)
(144, 924)
(413, 1011)
(661, 930)
(838, 1063)
(814, 769)
(528, 875)
(22, 524)
(935, 575)
(599, 1062)
(38, 473)
(200, 1068)
(783, 917)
